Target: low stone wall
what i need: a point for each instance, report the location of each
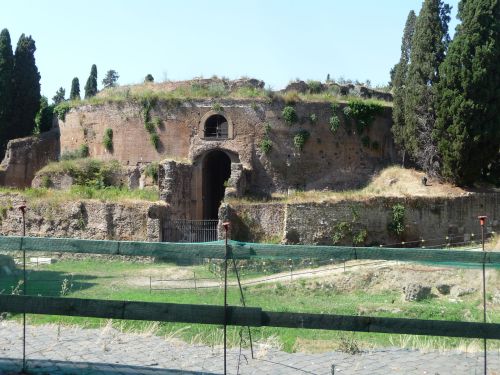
(91, 219)
(25, 156)
(367, 222)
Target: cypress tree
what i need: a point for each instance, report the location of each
(399, 75)
(6, 70)
(91, 85)
(429, 44)
(468, 123)
(26, 89)
(75, 89)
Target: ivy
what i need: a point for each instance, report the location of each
(363, 112)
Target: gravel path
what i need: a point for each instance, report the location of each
(71, 350)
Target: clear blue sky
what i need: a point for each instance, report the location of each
(275, 41)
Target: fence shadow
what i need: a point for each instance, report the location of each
(9, 366)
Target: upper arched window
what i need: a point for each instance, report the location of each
(216, 126)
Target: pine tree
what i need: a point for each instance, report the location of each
(6, 97)
(429, 44)
(75, 89)
(59, 97)
(398, 81)
(148, 78)
(91, 85)
(27, 96)
(110, 79)
(468, 123)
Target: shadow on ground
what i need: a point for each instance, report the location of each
(44, 367)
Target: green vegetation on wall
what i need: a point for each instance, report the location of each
(289, 115)
(107, 139)
(363, 112)
(300, 139)
(151, 124)
(397, 222)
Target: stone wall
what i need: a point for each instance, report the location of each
(175, 185)
(91, 219)
(328, 160)
(25, 156)
(432, 219)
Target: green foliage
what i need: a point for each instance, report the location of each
(110, 79)
(217, 107)
(360, 237)
(91, 85)
(157, 122)
(315, 87)
(6, 88)
(46, 182)
(468, 106)
(365, 141)
(363, 112)
(107, 139)
(300, 139)
(397, 222)
(59, 96)
(289, 115)
(148, 78)
(334, 123)
(149, 126)
(86, 172)
(340, 231)
(75, 89)
(44, 117)
(26, 90)
(61, 109)
(266, 146)
(267, 128)
(151, 171)
(84, 150)
(429, 44)
(155, 140)
(398, 81)
(313, 119)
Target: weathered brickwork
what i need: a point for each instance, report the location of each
(436, 220)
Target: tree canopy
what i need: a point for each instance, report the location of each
(91, 85)
(468, 122)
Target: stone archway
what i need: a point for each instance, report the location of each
(216, 171)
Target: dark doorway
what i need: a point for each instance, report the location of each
(216, 171)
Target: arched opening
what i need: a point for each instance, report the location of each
(216, 126)
(216, 171)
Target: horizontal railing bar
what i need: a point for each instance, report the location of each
(241, 316)
(174, 251)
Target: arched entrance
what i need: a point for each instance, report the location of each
(216, 171)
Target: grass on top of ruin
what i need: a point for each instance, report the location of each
(393, 181)
(193, 91)
(76, 192)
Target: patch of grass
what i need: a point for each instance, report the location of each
(86, 172)
(124, 280)
(151, 171)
